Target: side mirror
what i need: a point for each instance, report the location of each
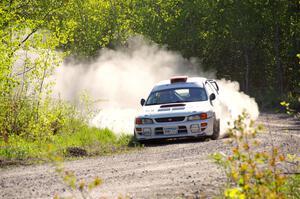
(212, 97)
(143, 102)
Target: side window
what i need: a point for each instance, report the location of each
(213, 84)
(209, 88)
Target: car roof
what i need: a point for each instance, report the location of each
(190, 82)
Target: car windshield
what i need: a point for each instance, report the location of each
(177, 95)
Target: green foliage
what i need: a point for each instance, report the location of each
(253, 42)
(228, 36)
(292, 186)
(290, 110)
(27, 60)
(252, 172)
(31, 32)
(62, 125)
(292, 101)
(92, 140)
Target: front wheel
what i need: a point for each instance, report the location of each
(216, 130)
(137, 141)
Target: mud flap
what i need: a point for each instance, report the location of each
(216, 130)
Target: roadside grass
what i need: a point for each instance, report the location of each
(85, 141)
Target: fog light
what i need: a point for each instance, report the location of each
(195, 128)
(203, 124)
(147, 131)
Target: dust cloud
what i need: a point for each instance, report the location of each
(232, 102)
(118, 79)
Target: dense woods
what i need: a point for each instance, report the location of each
(254, 42)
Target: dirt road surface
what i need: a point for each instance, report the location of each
(179, 169)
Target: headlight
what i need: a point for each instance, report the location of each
(201, 116)
(143, 121)
(147, 121)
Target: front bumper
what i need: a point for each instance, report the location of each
(183, 129)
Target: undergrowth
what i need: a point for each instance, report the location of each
(86, 141)
(65, 127)
(254, 171)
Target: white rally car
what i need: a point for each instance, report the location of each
(179, 107)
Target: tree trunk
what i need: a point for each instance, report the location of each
(246, 57)
(277, 59)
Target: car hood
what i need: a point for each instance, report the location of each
(175, 109)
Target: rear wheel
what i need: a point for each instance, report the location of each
(216, 130)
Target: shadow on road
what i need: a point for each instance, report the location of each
(162, 142)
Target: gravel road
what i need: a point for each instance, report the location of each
(180, 169)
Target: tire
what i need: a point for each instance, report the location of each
(216, 130)
(139, 141)
(144, 142)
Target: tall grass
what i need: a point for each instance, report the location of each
(91, 140)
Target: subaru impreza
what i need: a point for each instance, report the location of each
(179, 107)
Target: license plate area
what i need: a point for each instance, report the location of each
(170, 130)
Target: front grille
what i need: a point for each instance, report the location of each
(169, 119)
(182, 130)
(159, 131)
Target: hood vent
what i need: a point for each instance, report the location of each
(178, 108)
(171, 105)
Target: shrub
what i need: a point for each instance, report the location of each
(252, 172)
